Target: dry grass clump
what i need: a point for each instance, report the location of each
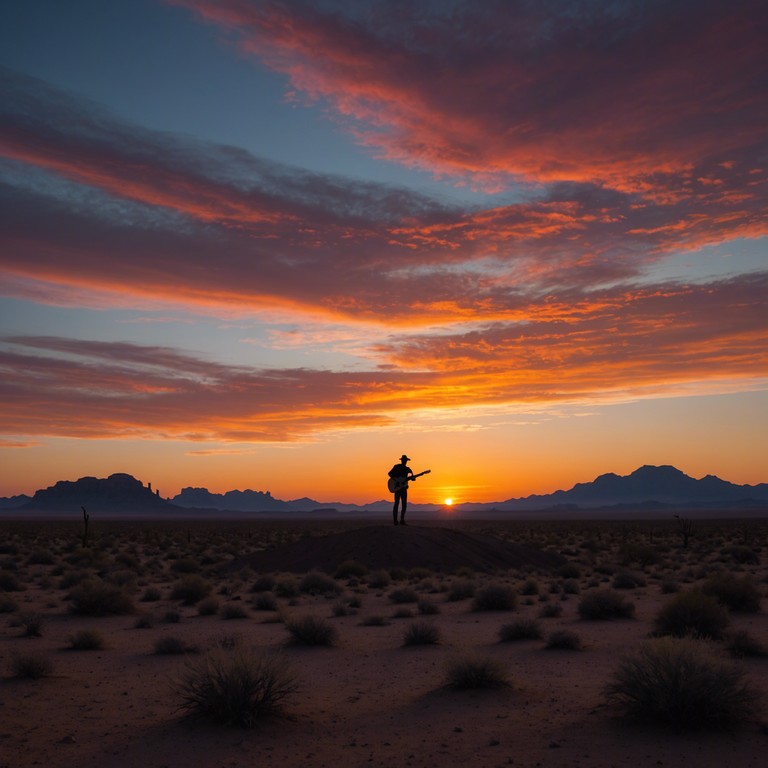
(311, 630)
(318, 583)
(737, 593)
(677, 682)
(374, 621)
(564, 640)
(403, 595)
(628, 580)
(523, 629)
(692, 613)
(738, 553)
(427, 608)
(379, 579)
(470, 671)
(494, 597)
(208, 606)
(32, 622)
(31, 665)
(151, 595)
(265, 601)
(236, 687)
(191, 589)
(264, 583)
(605, 604)
(421, 633)
(550, 611)
(351, 569)
(741, 644)
(95, 598)
(86, 640)
(460, 589)
(234, 611)
(169, 645)
(8, 604)
(9, 583)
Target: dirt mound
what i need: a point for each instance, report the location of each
(439, 549)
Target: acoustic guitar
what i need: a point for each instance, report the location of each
(395, 484)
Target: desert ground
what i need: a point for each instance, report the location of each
(99, 637)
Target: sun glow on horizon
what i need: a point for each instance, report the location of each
(448, 502)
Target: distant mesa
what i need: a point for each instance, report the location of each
(116, 493)
(387, 546)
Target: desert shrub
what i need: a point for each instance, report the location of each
(287, 588)
(341, 608)
(9, 583)
(379, 579)
(151, 595)
(169, 645)
(469, 671)
(191, 589)
(351, 568)
(40, 557)
(127, 560)
(86, 640)
(172, 616)
(628, 580)
(264, 583)
(185, 565)
(403, 613)
(530, 587)
(460, 589)
(8, 604)
(72, 578)
(123, 578)
(571, 587)
(403, 595)
(317, 582)
(550, 611)
(421, 633)
(564, 640)
(737, 593)
(669, 587)
(95, 598)
(427, 608)
(265, 601)
(642, 554)
(31, 665)
(236, 687)
(234, 611)
(374, 621)
(418, 573)
(692, 613)
(398, 574)
(677, 682)
(494, 597)
(569, 571)
(523, 629)
(311, 630)
(208, 607)
(741, 644)
(605, 604)
(32, 622)
(741, 554)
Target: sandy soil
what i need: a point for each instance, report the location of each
(367, 701)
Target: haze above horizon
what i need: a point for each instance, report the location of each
(276, 245)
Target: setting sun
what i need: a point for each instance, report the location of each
(448, 502)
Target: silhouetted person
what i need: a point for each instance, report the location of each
(399, 475)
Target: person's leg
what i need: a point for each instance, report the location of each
(394, 508)
(403, 505)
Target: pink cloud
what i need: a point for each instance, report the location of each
(579, 91)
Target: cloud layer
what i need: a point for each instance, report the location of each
(636, 142)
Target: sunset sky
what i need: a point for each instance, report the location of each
(274, 245)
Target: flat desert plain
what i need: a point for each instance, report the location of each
(454, 643)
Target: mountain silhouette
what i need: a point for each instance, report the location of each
(647, 486)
